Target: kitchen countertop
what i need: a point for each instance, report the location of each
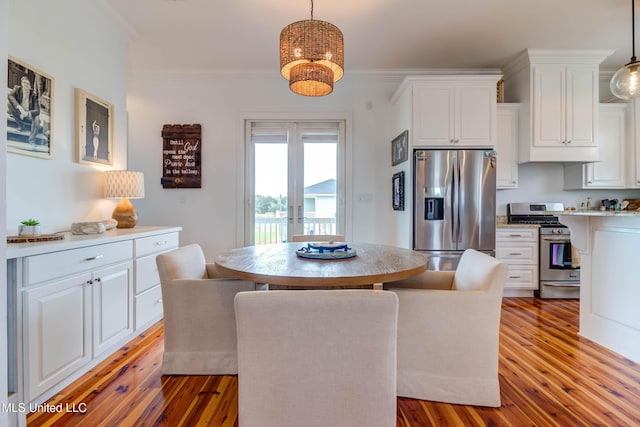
(598, 213)
(517, 226)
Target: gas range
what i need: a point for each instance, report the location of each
(559, 269)
(534, 213)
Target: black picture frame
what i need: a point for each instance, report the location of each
(400, 148)
(397, 185)
(29, 128)
(94, 129)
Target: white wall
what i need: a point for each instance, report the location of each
(212, 215)
(4, 419)
(80, 44)
(543, 182)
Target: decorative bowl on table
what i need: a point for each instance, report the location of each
(326, 250)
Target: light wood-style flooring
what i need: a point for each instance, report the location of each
(549, 376)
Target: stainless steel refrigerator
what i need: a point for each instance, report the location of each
(454, 204)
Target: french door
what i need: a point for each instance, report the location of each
(295, 180)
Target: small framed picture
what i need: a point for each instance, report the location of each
(400, 148)
(29, 110)
(398, 191)
(94, 129)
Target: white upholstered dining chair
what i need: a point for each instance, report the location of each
(317, 358)
(199, 317)
(448, 331)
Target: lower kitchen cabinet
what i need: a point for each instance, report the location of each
(78, 300)
(71, 321)
(518, 247)
(58, 332)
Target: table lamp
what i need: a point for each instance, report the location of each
(124, 185)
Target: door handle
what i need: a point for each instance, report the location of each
(290, 217)
(300, 214)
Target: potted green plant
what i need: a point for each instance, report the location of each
(29, 227)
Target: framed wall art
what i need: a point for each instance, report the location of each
(29, 110)
(398, 191)
(400, 148)
(181, 156)
(94, 129)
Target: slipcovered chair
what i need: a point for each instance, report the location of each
(317, 238)
(199, 317)
(317, 358)
(448, 335)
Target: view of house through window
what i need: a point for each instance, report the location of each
(295, 180)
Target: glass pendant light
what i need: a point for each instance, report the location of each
(625, 83)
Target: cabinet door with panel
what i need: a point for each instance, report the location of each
(58, 331)
(454, 115)
(112, 306)
(610, 171)
(564, 111)
(507, 118)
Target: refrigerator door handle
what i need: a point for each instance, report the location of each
(455, 218)
(459, 195)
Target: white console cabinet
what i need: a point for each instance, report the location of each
(77, 300)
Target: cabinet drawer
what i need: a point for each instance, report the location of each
(509, 234)
(162, 242)
(146, 273)
(39, 268)
(518, 253)
(522, 277)
(148, 306)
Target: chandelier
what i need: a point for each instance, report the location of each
(625, 83)
(311, 56)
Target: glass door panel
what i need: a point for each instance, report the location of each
(270, 195)
(319, 190)
(294, 180)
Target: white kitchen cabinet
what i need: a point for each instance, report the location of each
(507, 119)
(112, 306)
(76, 300)
(559, 93)
(57, 332)
(518, 247)
(633, 145)
(610, 171)
(148, 295)
(449, 111)
(76, 308)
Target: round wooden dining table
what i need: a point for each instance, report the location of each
(278, 264)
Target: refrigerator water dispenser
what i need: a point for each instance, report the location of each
(434, 208)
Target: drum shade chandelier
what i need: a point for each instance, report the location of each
(311, 56)
(625, 83)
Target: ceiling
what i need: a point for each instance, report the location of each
(380, 35)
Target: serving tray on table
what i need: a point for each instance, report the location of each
(326, 250)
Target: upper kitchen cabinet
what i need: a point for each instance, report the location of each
(558, 90)
(507, 145)
(610, 171)
(449, 111)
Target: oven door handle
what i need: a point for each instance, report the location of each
(551, 239)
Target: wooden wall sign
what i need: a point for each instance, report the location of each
(181, 156)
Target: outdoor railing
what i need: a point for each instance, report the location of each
(274, 230)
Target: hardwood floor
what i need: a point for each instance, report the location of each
(549, 376)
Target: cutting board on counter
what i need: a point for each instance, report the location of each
(634, 204)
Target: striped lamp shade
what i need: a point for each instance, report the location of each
(118, 184)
